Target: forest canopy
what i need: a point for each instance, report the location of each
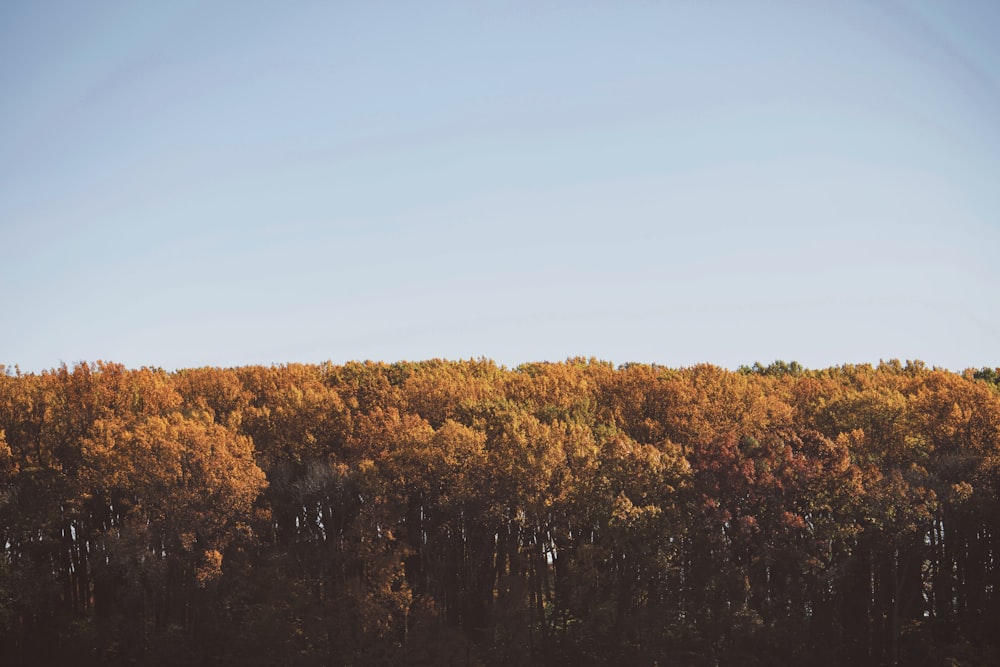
(444, 512)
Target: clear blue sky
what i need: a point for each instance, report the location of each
(228, 183)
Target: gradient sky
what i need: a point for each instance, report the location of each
(229, 183)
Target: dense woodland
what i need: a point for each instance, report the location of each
(463, 513)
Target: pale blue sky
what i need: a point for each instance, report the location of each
(227, 183)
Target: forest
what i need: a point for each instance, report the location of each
(465, 513)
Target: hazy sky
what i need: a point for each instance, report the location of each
(228, 183)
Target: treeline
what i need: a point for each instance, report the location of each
(462, 513)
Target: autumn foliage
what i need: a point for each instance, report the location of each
(459, 513)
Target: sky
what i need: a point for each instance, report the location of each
(227, 183)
